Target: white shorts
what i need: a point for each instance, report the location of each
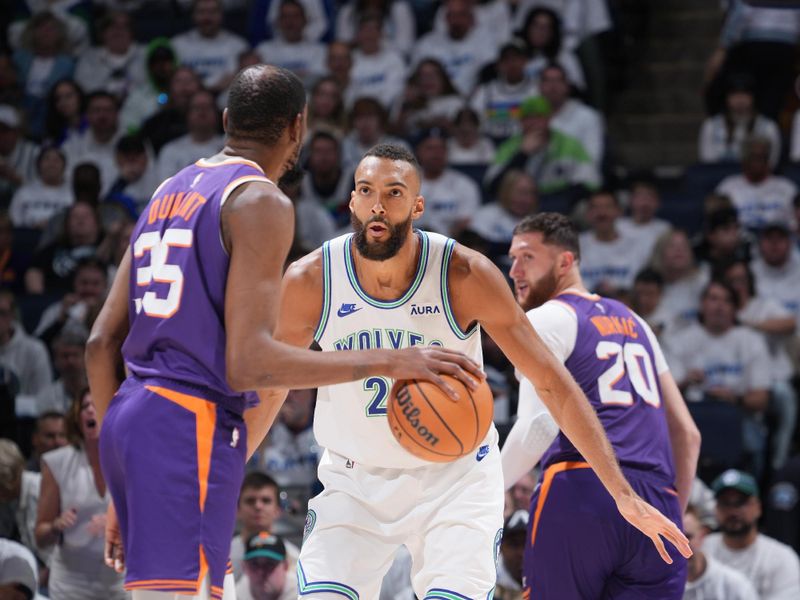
(449, 516)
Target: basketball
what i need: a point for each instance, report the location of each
(431, 426)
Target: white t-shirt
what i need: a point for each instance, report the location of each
(758, 310)
(492, 17)
(85, 148)
(716, 145)
(772, 567)
(494, 223)
(450, 198)
(682, 297)
(647, 234)
(482, 153)
(399, 26)
(184, 151)
(737, 359)
(381, 76)
(304, 59)
(34, 203)
(616, 262)
(583, 123)
(316, 20)
(462, 59)
(497, 103)
(211, 58)
(779, 283)
(758, 203)
(719, 582)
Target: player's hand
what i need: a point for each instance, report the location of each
(113, 554)
(654, 525)
(430, 363)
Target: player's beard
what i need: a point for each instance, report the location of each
(379, 250)
(541, 292)
(291, 176)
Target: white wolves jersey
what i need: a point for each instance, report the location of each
(350, 418)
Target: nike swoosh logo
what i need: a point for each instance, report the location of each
(347, 309)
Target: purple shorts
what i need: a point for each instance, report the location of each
(174, 463)
(580, 547)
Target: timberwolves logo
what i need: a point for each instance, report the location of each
(497, 539)
(311, 520)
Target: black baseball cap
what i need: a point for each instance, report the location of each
(265, 545)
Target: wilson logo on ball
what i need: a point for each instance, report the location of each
(411, 413)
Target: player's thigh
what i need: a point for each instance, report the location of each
(573, 540)
(454, 554)
(350, 538)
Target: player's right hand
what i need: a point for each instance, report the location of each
(113, 554)
(430, 363)
(654, 525)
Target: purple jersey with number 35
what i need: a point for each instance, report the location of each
(179, 272)
(615, 365)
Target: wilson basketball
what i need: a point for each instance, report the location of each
(431, 426)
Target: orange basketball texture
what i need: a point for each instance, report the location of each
(431, 426)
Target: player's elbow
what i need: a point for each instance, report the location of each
(101, 343)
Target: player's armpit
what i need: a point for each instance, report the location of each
(103, 358)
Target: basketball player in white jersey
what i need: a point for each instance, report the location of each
(388, 285)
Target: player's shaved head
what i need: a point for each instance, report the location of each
(556, 229)
(263, 101)
(395, 152)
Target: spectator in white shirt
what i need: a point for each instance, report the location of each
(722, 135)
(463, 49)
(777, 268)
(339, 63)
(772, 567)
(570, 115)
(118, 65)
(684, 280)
(210, 51)
(290, 49)
(378, 71)
(758, 195)
(203, 140)
(468, 146)
(368, 120)
(266, 570)
(316, 19)
(96, 144)
(498, 100)
(543, 33)
(398, 23)
(777, 323)
(610, 259)
(516, 198)
(647, 301)
(451, 198)
(709, 579)
(644, 201)
(37, 201)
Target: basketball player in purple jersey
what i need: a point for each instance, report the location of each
(578, 545)
(192, 310)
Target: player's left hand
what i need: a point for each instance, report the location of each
(113, 554)
(654, 525)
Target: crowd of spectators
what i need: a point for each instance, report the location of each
(101, 100)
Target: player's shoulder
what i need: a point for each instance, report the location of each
(306, 273)
(467, 265)
(554, 311)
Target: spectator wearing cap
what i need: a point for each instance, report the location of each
(722, 135)
(266, 570)
(772, 567)
(208, 49)
(18, 575)
(758, 195)
(451, 198)
(498, 100)
(509, 564)
(777, 267)
(555, 160)
(570, 115)
(17, 155)
(463, 48)
(708, 578)
(35, 203)
(290, 48)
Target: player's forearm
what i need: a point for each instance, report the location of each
(525, 445)
(576, 418)
(685, 451)
(102, 366)
(260, 418)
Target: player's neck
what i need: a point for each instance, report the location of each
(389, 279)
(571, 282)
(270, 160)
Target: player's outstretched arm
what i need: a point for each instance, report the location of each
(481, 293)
(103, 356)
(258, 227)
